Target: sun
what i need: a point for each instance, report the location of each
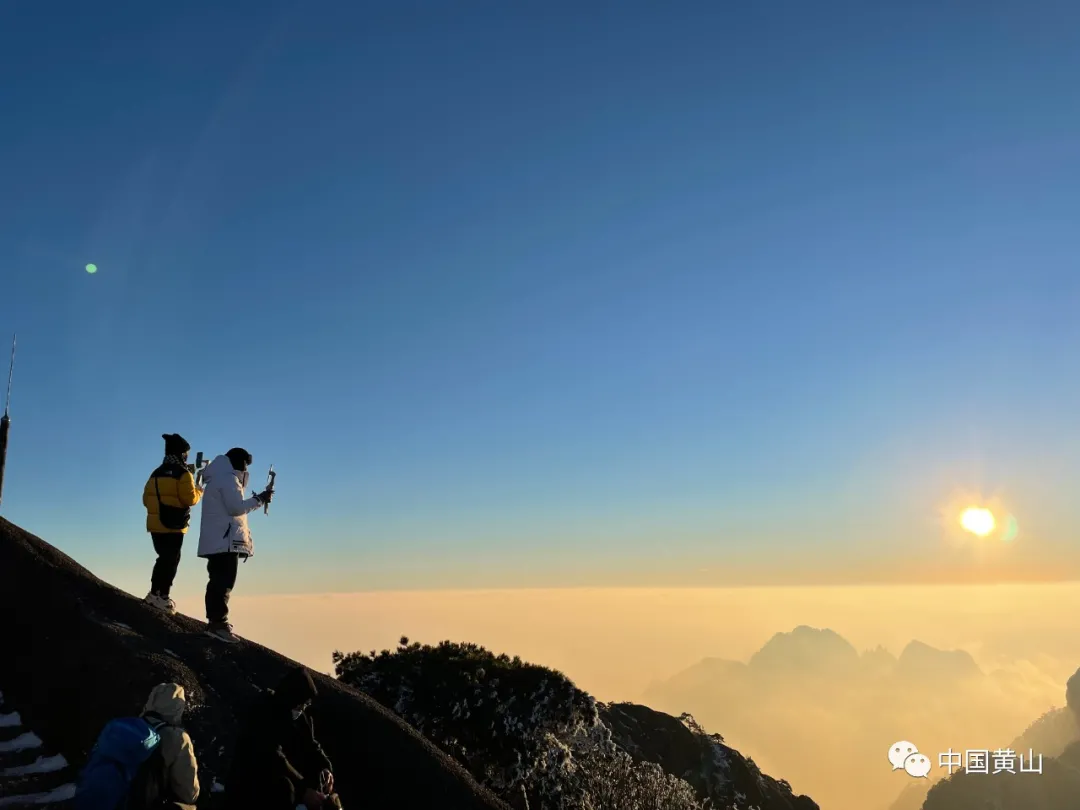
(978, 520)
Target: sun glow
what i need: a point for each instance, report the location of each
(978, 520)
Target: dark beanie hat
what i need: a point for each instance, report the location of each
(296, 687)
(239, 457)
(175, 444)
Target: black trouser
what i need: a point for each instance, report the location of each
(167, 545)
(222, 571)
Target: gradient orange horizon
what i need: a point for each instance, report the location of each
(614, 642)
(973, 562)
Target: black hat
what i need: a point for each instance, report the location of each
(296, 688)
(175, 444)
(239, 457)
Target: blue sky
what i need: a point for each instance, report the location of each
(544, 293)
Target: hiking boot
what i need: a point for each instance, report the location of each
(161, 602)
(222, 630)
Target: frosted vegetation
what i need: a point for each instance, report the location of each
(523, 730)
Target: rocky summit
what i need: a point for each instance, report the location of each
(541, 743)
(78, 652)
(717, 772)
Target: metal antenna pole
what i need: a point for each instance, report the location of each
(11, 369)
(5, 420)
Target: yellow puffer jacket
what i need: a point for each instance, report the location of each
(176, 486)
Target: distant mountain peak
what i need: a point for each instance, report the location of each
(807, 649)
(878, 661)
(920, 660)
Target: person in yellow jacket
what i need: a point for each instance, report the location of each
(168, 496)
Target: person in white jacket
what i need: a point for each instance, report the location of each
(224, 535)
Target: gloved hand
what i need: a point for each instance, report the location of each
(326, 781)
(265, 496)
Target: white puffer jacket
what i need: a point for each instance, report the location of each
(224, 526)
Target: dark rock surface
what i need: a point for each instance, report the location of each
(78, 652)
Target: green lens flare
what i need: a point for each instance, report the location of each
(1012, 529)
(91, 269)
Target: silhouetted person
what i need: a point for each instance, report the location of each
(224, 536)
(168, 496)
(277, 763)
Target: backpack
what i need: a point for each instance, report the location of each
(149, 789)
(122, 748)
(174, 518)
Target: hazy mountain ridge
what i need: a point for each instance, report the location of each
(1055, 735)
(912, 796)
(820, 652)
(812, 652)
(805, 681)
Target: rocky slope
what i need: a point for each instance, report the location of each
(78, 652)
(543, 744)
(717, 772)
(1051, 734)
(1056, 788)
